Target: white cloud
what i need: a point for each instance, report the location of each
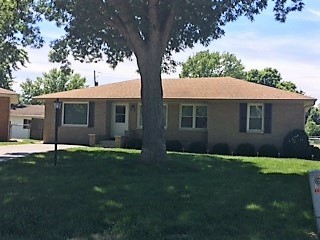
(40, 64)
(314, 12)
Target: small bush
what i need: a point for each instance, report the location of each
(245, 149)
(133, 143)
(197, 147)
(268, 150)
(174, 145)
(296, 144)
(220, 148)
(314, 153)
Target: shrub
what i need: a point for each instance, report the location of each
(174, 145)
(133, 143)
(197, 147)
(268, 150)
(314, 153)
(220, 148)
(296, 144)
(245, 149)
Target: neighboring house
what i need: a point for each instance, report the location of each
(6, 99)
(211, 110)
(26, 119)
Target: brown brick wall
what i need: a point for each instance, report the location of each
(4, 118)
(172, 131)
(224, 124)
(78, 135)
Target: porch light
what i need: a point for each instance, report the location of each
(133, 108)
(57, 105)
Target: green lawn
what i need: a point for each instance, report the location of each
(98, 194)
(20, 141)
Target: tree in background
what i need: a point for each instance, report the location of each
(270, 77)
(289, 86)
(17, 30)
(312, 129)
(150, 30)
(206, 64)
(53, 81)
(314, 115)
(313, 122)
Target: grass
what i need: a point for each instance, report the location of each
(98, 194)
(20, 141)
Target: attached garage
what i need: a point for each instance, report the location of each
(6, 99)
(27, 121)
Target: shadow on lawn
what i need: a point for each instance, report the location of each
(98, 194)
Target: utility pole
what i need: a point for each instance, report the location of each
(95, 79)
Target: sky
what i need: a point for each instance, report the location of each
(293, 48)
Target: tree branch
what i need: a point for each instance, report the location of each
(114, 21)
(167, 27)
(125, 16)
(153, 14)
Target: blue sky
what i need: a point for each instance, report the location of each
(292, 47)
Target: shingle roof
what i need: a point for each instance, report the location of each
(7, 93)
(28, 111)
(222, 88)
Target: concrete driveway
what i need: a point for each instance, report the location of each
(8, 152)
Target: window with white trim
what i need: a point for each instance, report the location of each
(165, 114)
(255, 116)
(120, 114)
(193, 116)
(75, 114)
(26, 123)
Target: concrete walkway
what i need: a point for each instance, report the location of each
(8, 152)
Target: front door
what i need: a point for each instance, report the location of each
(120, 121)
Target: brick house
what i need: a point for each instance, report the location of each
(210, 110)
(6, 99)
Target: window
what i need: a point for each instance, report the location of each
(75, 114)
(186, 116)
(165, 109)
(120, 114)
(193, 116)
(255, 117)
(26, 123)
(201, 116)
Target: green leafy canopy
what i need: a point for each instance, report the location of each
(215, 64)
(206, 64)
(110, 28)
(17, 30)
(53, 81)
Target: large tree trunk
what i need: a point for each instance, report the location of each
(153, 142)
(149, 47)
